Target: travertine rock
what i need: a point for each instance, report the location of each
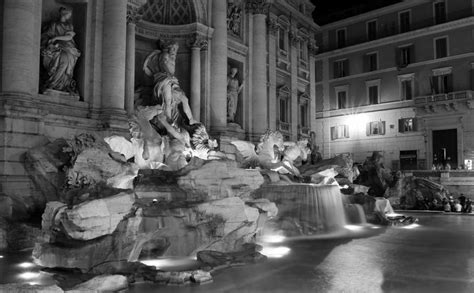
(221, 179)
(104, 283)
(3, 234)
(27, 288)
(264, 205)
(92, 219)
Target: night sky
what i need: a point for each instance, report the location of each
(332, 10)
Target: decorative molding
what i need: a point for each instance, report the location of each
(257, 6)
(272, 26)
(313, 49)
(294, 38)
(155, 31)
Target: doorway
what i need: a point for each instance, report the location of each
(445, 147)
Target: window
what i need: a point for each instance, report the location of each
(341, 68)
(407, 89)
(404, 21)
(341, 100)
(373, 95)
(303, 51)
(407, 125)
(376, 128)
(441, 47)
(372, 61)
(342, 93)
(405, 55)
(282, 39)
(442, 84)
(371, 30)
(339, 132)
(439, 9)
(341, 38)
(284, 110)
(304, 109)
(406, 84)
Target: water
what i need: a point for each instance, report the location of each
(306, 209)
(355, 214)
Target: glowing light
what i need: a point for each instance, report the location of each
(1, 256)
(275, 252)
(411, 226)
(358, 121)
(353, 227)
(393, 215)
(375, 227)
(168, 263)
(26, 265)
(29, 275)
(273, 238)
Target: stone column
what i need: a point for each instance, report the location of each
(259, 9)
(313, 51)
(196, 46)
(219, 66)
(20, 46)
(114, 56)
(294, 83)
(272, 25)
(132, 18)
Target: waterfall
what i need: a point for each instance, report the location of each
(306, 209)
(355, 214)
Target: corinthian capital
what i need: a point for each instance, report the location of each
(198, 42)
(272, 25)
(134, 14)
(257, 6)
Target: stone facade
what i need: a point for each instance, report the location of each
(416, 56)
(114, 37)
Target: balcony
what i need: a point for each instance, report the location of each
(303, 131)
(448, 102)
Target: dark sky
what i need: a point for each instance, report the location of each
(332, 10)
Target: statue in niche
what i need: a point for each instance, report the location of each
(59, 53)
(233, 91)
(234, 17)
(161, 65)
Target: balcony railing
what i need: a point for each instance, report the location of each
(392, 28)
(447, 101)
(284, 126)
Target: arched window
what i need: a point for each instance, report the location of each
(174, 12)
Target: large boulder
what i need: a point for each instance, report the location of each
(88, 220)
(220, 179)
(104, 283)
(3, 234)
(45, 165)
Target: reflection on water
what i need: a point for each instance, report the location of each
(173, 263)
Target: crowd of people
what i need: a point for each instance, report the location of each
(449, 205)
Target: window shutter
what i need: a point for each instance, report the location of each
(346, 67)
(412, 54)
(346, 131)
(415, 124)
(382, 128)
(367, 129)
(335, 71)
(472, 79)
(366, 63)
(333, 133)
(450, 83)
(434, 85)
(401, 125)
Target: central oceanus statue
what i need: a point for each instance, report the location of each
(164, 133)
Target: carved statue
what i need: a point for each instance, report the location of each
(296, 151)
(233, 91)
(234, 17)
(315, 156)
(59, 53)
(264, 155)
(160, 65)
(164, 136)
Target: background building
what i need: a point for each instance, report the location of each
(399, 80)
